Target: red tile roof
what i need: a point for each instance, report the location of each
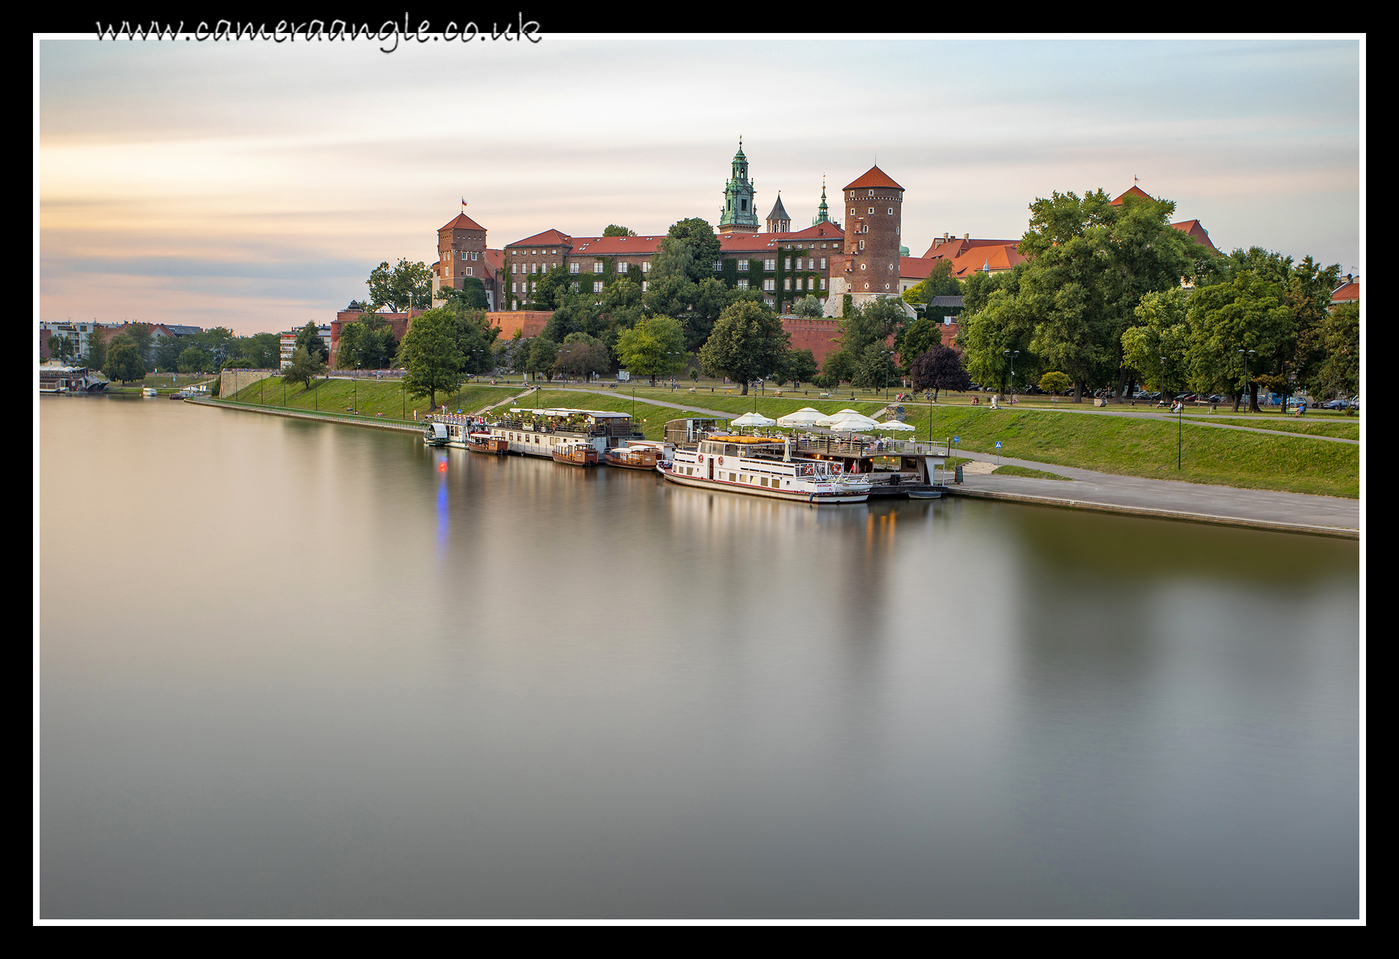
(1195, 231)
(736, 242)
(463, 222)
(873, 177)
(616, 245)
(547, 238)
(1347, 293)
(1136, 191)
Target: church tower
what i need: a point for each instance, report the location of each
(823, 214)
(738, 215)
(778, 220)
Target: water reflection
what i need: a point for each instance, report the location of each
(513, 688)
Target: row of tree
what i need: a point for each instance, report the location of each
(1114, 296)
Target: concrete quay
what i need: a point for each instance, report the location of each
(1164, 499)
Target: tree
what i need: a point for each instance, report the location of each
(1242, 320)
(472, 295)
(193, 360)
(305, 366)
(1054, 382)
(917, 338)
(96, 349)
(581, 355)
(874, 367)
(703, 245)
(543, 352)
(430, 354)
(402, 287)
(615, 230)
(798, 367)
(1339, 373)
(263, 349)
(808, 306)
(940, 368)
(1157, 348)
(309, 339)
(748, 342)
(875, 322)
(1090, 264)
(124, 360)
(476, 340)
(940, 282)
(654, 347)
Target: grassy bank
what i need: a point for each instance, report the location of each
(1126, 446)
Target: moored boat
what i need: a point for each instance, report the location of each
(576, 454)
(486, 443)
(634, 457)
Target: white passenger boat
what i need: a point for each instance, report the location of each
(764, 466)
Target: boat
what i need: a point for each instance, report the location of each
(149, 391)
(577, 453)
(486, 443)
(635, 456)
(762, 466)
(539, 432)
(814, 468)
(434, 434)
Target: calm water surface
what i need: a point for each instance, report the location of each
(299, 670)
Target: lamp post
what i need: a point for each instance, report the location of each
(1012, 354)
(1244, 392)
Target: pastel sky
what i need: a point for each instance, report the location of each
(254, 185)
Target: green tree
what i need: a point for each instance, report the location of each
(615, 230)
(1157, 348)
(1339, 372)
(305, 366)
(1241, 320)
(96, 357)
(402, 287)
(543, 353)
(1055, 382)
(581, 355)
(798, 367)
(472, 295)
(702, 244)
(1090, 264)
(917, 338)
(808, 306)
(748, 342)
(124, 360)
(264, 350)
(654, 347)
(874, 368)
(430, 354)
(875, 322)
(309, 339)
(194, 360)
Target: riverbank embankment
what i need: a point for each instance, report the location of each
(1089, 490)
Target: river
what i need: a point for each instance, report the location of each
(300, 670)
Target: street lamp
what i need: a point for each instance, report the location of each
(1012, 354)
(1245, 354)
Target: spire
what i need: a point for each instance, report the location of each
(823, 214)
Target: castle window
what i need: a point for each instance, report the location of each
(645, 286)
(597, 287)
(468, 271)
(597, 266)
(823, 262)
(787, 263)
(512, 267)
(645, 266)
(573, 268)
(823, 282)
(871, 211)
(718, 266)
(622, 267)
(770, 265)
(787, 283)
(769, 285)
(743, 267)
(743, 283)
(891, 211)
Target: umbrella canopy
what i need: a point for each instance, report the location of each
(895, 425)
(802, 417)
(848, 420)
(752, 419)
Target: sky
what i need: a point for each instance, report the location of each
(254, 185)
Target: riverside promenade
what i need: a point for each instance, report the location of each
(1100, 492)
(1163, 499)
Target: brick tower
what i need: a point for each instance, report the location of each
(868, 266)
(461, 251)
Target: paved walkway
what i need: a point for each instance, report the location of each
(1224, 505)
